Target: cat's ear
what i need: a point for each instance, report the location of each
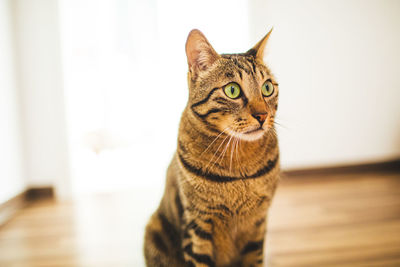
(258, 50)
(200, 54)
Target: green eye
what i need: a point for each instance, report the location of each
(232, 90)
(267, 88)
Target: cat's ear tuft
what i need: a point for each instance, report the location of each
(200, 54)
(258, 50)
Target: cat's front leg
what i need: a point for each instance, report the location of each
(252, 252)
(198, 242)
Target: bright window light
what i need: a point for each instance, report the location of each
(125, 82)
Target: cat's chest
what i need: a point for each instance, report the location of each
(241, 200)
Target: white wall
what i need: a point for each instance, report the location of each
(337, 62)
(37, 35)
(120, 56)
(338, 67)
(12, 175)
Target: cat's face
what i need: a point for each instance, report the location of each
(231, 93)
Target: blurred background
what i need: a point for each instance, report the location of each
(91, 93)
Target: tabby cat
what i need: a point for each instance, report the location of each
(225, 171)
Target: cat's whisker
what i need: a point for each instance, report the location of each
(206, 168)
(271, 132)
(236, 154)
(279, 124)
(212, 161)
(221, 157)
(240, 151)
(228, 146)
(214, 140)
(274, 133)
(232, 149)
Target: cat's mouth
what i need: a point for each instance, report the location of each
(249, 135)
(254, 130)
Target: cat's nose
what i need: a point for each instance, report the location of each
(261, 117)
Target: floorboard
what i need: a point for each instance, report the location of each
(337, 220)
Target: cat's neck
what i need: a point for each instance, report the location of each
(222, 152)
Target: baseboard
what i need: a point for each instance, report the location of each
(12, 206)
(36, 193)
(385, 166)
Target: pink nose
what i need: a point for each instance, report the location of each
(261, 117)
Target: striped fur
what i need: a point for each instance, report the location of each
(224, 173)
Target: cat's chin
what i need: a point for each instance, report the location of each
(252, 135)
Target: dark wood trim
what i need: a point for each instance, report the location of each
(9, 208)
(385, 166)
(36, 193)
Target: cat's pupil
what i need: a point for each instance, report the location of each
(232, 89)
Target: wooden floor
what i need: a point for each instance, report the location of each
(342, 220)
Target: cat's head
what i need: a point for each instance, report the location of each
(231, 93)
